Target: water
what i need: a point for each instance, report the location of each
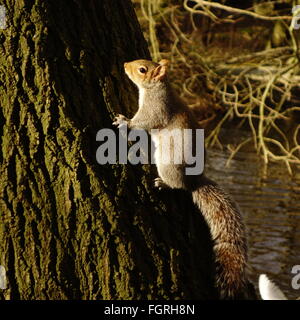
(270, 203)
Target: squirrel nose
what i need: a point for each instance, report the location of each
(125, 64)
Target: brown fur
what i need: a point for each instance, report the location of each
(160, 108)
(228, 233)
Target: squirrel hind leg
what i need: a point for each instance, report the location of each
(160, 184)
(171, 175)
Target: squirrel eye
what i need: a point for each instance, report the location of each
(142, 70)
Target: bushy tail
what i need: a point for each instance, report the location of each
(228, 234)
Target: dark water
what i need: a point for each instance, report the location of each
(270, 202)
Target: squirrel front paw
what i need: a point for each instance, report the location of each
(158, 183)
(120, 120)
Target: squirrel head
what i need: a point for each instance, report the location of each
(146, 74)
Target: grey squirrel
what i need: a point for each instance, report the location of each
(160, 108)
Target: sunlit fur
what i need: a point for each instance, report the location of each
(160, 108)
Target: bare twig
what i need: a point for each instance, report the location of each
(240, 11)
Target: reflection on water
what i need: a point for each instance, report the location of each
(270, 202)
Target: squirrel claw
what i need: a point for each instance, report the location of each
(120, 120)
(158, 183)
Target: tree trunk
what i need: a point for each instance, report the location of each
(69, 227)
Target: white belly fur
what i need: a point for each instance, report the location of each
(141, 96)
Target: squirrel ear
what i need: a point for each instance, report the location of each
(160, 72)
(164, 62)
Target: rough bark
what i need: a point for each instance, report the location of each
(69, 227)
